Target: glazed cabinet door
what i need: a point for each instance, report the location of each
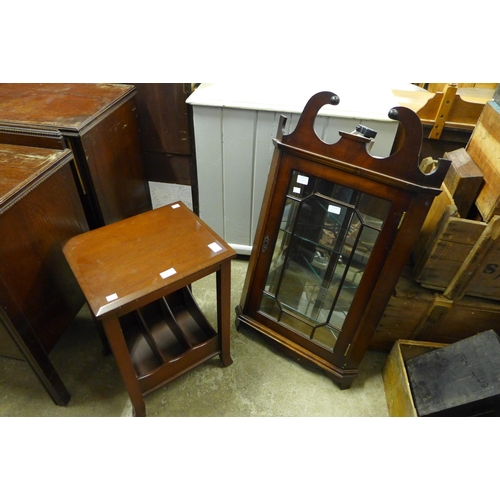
(326, 235)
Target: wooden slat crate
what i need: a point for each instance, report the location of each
(462, 182)
(443, 252)
(462, 257)
(418, 313)
(396, 383)
(484, 149)
(478, 381)
(456, 255)
(480, 272)
(443, 203)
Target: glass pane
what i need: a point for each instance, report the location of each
(269, 306)
(373, 210)
(326, 336)
(326, 236)
(297, 323)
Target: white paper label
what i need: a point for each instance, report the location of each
(111, 297)
(302, 179)
(168, 272)
(333, 209)
(215, 247)
(176, 205)
(296, 190)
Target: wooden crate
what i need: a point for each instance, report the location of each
(484, 149)
(479, 274)
(461, 257)
(454, 254)
(396, 384)
(418, 313)
(443, 252)
(476, 390)
(447, 217)
(459, 380)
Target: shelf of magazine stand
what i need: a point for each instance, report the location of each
(167, 335)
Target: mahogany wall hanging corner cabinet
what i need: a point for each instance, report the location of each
(336, 229)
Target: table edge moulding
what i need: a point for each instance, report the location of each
(136, 276)
(396, 181)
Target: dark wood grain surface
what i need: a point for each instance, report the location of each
(67, 106)
(39, 211)
(99, 124)
(127, 258)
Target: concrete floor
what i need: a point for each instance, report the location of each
(261, 382)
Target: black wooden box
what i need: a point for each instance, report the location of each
(462, 379)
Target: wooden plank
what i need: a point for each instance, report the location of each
(484, 149)
(446, 251)
(438, 273)
(463, 114)
(463, 180)
(468, 104)
(451, 250)
(412, 348)
(451, 245)
(395, 325)
(445, 241)
(397, 386)
(443, 203)
(418, 313)
(413, 99)
(443, 111)
(439, 308)
(463, 231)
(480, 272)
(468, 316)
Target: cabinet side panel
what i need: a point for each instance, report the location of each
(267, 127)
(113, 154)
(34, 271)
(163, 117)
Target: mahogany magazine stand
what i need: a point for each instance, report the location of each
(135, 275)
